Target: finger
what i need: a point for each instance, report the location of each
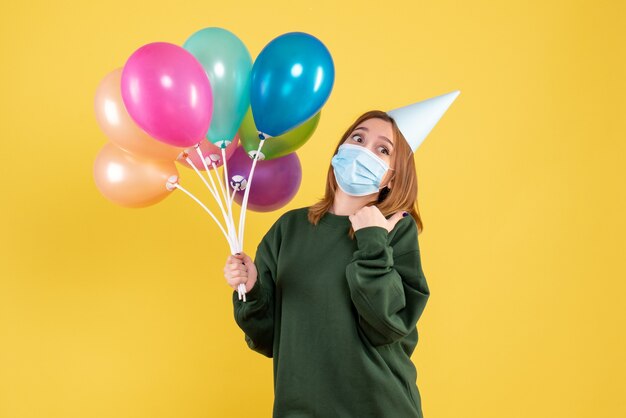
(237, 272)
(249, 263)
(233, 259)
(396, 218)
(239, 268)
(233, 283)
(371, 208)
(238, 279)
(237, 264)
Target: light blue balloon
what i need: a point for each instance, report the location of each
(291, 80)
(228, 64)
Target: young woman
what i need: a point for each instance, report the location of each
(336, 289)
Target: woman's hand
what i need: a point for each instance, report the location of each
(372, 216)
(240, 268)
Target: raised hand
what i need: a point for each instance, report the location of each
(372, 216)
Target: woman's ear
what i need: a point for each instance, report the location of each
(390, 182)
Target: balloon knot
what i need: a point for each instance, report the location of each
(171, 183)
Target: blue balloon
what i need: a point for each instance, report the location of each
(291, 80)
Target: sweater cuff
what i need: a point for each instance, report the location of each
(252, 294)
(371, 237)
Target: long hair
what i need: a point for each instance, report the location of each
(403, 194)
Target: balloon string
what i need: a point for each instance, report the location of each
(241, 289)
(231, 237)
(214, 191)
(233, 196)
(178, 186)
(229, 200)
(226, 199)
(190, 162)
(242, 217)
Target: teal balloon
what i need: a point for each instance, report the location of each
(228, 65)
(291, 80)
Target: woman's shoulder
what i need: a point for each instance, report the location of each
(291, 218)
(287, 223)
(403, 237)
(297, 212)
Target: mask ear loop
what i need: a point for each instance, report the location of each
(394, 174)
(385, 190)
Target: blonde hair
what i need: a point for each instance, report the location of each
(403, 195)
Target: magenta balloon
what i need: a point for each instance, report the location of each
(167, 93)
(274, 182)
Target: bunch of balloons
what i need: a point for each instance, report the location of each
(207, 105)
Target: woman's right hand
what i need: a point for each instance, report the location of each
(240, 268)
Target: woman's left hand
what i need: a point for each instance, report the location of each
(372, 216)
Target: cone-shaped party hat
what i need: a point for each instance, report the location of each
(415, 121)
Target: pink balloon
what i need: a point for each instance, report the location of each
(274, 182)
(208, 149)
(168, 94)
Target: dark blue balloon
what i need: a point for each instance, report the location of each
(291, 80)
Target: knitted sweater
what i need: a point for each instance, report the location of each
(338, 316)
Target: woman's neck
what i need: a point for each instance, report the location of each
(344, 204)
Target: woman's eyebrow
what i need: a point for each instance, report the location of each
(386, 139)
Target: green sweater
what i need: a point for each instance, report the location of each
(338, 316)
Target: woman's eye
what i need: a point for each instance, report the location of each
(356, 136)
(386, 151)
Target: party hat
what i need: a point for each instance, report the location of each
(415, 121)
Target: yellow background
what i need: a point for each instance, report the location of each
(114, 312)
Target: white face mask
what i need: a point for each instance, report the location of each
(358, 170)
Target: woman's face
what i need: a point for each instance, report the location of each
(376, 135)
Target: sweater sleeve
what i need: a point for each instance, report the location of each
(388, 289)
(256, 316)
